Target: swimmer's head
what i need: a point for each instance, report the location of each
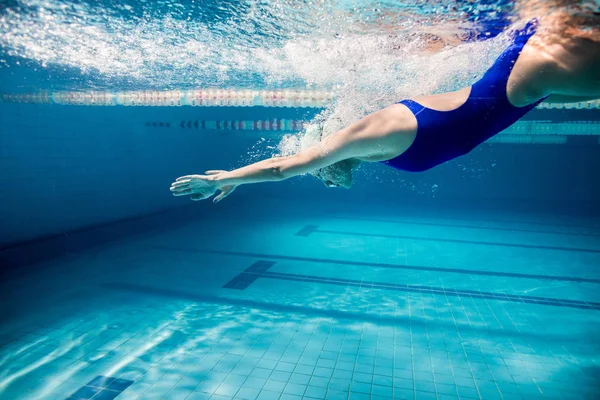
(338, 174)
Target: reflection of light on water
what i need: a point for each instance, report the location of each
(178, 338)
(21, 350)
(49, 385)
(157, 338)
(58, 352)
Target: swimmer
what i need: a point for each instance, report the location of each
(554, 58)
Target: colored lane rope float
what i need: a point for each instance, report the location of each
(523, 132)
(274, 124)
(174, 98)
(208, 98)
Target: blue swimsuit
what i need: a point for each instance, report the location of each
(444, 135)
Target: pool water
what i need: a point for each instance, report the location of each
(347, 303)
(476, 280)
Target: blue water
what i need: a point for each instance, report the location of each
(263, 303)
(476, 280)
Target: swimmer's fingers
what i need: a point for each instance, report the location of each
(198, 187)
(188, 178)
(190, 181)
(181, 188)
(180, 185)
(225, 191)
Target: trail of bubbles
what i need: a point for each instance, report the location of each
(368, 72)
(142, 44)
(384, 69)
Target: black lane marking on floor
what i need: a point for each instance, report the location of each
(476, 294)
(343, 315)
(307, 230)
(431, 239)
(102, 387)
(246, 278)
(489, 228)
(507, 221)
(378, 265)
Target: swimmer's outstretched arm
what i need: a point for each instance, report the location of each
(357, 140)
(364, 138)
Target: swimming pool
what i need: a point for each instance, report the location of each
(476, 280)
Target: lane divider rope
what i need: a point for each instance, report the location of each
(521, 128)
(209, 98)
(174, 98)
(523, 132)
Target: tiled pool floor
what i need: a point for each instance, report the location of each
(291, 304)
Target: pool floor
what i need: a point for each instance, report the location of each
(296, 302)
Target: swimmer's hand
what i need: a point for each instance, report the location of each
(200, 187)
